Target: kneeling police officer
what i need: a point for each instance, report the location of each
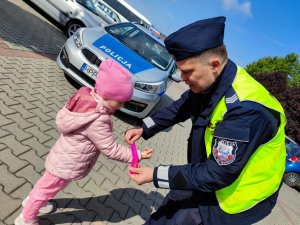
(236, 148)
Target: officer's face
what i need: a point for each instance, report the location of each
(198, 74)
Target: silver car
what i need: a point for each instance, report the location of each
(132, 45)
(72, 14)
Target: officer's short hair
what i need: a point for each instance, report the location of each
(219, 51)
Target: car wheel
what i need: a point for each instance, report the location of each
(72, 27)
(292, 179)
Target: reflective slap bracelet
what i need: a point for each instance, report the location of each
(135, 158)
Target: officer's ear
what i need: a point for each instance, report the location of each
(215, 64)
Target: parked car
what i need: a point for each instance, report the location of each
(132, 45)
(72, 14)
(292, 169)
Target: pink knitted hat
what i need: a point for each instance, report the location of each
(114, 81)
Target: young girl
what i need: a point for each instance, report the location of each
(85, 124)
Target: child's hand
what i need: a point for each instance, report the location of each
(146, 154)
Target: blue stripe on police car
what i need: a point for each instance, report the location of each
(122, 54)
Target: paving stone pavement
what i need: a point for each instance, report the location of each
(32, 90)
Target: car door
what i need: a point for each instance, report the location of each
(65, 7)
(87, 13)
(51, 7)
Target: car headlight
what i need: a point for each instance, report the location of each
(150, 87)
(77, 37)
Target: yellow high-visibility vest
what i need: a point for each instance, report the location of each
(262, 175)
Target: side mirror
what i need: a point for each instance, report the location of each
(175, 75)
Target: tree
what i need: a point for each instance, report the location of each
(289, 97)
(288, 65)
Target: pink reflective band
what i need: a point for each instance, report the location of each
(135, 158)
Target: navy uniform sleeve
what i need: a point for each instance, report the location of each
(166, 117)
(243, 130)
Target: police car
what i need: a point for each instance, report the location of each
(135, 47)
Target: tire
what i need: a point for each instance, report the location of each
(72, 27)
(292, 179)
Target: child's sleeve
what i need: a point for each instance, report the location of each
(100, 134)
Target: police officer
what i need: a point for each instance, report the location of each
(236, 148)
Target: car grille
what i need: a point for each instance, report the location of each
(135, 106)
(82, 75)
(91, 57)
(65, 61)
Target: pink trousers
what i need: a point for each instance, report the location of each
(44, 190)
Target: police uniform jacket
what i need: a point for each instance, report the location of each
(204, 175)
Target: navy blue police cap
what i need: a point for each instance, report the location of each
(196, 38)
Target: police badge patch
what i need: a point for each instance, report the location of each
(224, 151)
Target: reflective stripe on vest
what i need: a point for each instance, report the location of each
(262, 174)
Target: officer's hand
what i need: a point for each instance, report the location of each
(142, 176)
(134, 134)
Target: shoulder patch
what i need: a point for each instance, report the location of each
(224, 151)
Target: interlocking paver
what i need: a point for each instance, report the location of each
(97, 178)
(11, 142)
(22, 192)
(24, 112)
(8, 205)
(119, 207)
(20, 134)
(11, 92)
(29, 174)
(38, 112)
(20, 121)
(9, 181)
(35, 131)
(27, 105)
(28, 97)
(39, 148)
(81, 193)
(53, 133)
(3, 133)
(6, 99)
(13, 162)
(38, 122)
(113, 178)
(2, 146)
(135, 206)
(33, 159)
(104, 212)
(5, 110)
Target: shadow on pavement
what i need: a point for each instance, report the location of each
(103, 208)
(24, 30)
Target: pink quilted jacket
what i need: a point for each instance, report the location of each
(86, 131)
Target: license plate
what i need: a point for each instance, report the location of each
(89, 71)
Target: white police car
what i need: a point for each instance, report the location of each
(132, 45)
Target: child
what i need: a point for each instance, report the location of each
(85, 124)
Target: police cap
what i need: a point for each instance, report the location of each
(196, 38)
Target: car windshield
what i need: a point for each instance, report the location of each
(142, 43)
(293, 149)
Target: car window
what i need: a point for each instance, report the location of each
(108, 11)
(142, 43)
(88, 4)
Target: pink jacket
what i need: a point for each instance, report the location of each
(86, 128)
